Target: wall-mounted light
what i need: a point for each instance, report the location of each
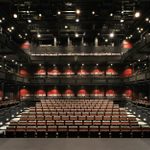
(39, 35)
(111, 35)
(137, 14)
(78, 11)
(59, 13)
(15, 16)
(77, 20)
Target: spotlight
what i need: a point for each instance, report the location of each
(111, 14)
(137, 14)
(15, 16)
(0, 20)
(68, 64)
(122, 20)
(39, 35)
(106, 40)
(12, 28)
(40, 15)
(78, 11)
(76, 35)
(147, 19)
(29, 20)
(93, 12)
(66, 27)
(77, 20)
(5, 56)
(111, 35)
(59, 13)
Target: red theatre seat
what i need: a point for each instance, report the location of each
(97, 93)
(82, 93)
(40, 71)
(111, 71)
(24, 92)
(69, 72)
(128, 93)
(68, 93)
(110, 93)
(23, 72)
(126, 44)
(53, 93)
(25, 45)
(53, 72)
(40, 92)
(127, 72)
(82, 72)
(96, 71)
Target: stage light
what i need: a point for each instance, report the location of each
(77, 20)
(76, 35)
(78, 11)
(15, 16)
(29, 20)
(39, 35)
(59, 13)
(93, 12)
(111, 35)
(137, 14)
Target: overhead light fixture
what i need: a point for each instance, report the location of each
(76, 35)
(78, 11)
(9, 29)
(12, 60)
(26, 34)
(66, 27)
(111, 35)
(20, 35)
(93, 12)
(139, 60)
(147, 19)
(40, 15)
(0, 20)
(12, 28)
(106, 40)
(122, 20)
(3, 18)
(39, 35)
(82, 64)
(21, 65)
(111, 14)
(68, 64)
(59, 13)
(137, 14)
(15, 16)
(77, 20)
(29, 20)
(5, 57)
(97, 64)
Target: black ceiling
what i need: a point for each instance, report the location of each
(57, 18)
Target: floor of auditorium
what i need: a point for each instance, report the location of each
(74, 144)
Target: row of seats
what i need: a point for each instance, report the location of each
(78, 131)
(100, 118)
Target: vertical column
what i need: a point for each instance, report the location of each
(96, 42)
(82, 42)
(69, 41)
(55, 41)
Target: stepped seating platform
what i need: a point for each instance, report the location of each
(76, 118)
